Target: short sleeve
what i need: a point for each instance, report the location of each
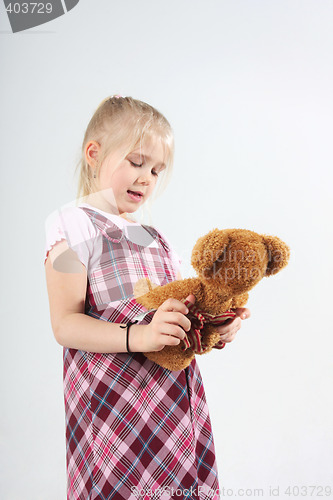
(177, 261)
(73, 225)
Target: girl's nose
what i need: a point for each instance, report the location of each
(143, 179)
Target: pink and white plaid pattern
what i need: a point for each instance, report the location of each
(134, 430)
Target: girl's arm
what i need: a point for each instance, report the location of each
(71, 327)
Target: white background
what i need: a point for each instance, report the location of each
(247, 87)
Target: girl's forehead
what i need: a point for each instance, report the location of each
(149, 142)
(151, 149)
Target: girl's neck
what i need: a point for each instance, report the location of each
(102, 205)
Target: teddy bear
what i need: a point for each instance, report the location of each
(228, 263)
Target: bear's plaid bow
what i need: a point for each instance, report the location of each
(193, 337)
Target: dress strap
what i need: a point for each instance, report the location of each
(155, 234)
(114, 233)
(110, 230)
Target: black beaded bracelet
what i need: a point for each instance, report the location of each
(127, 332)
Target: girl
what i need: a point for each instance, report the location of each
(133, 429)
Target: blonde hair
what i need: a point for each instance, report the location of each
(124, 122)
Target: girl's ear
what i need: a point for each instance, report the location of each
(278, 254)
(91, 152)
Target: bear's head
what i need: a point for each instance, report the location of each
(235, 260)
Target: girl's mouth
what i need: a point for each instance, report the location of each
(134, 195)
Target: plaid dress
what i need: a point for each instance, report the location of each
(134, 430)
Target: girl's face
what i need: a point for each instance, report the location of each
(126, 183)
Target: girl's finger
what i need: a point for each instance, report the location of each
(176, 318)
(242, 312)
(228, 338)
(229, 335)
(174, 305)
(228, 327)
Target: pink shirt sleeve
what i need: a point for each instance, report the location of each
(73, 225)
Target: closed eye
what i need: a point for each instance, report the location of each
(140, 165)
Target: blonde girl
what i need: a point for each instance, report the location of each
(133, 429)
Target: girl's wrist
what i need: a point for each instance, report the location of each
(135, 338)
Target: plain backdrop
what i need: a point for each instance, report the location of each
(247, 87)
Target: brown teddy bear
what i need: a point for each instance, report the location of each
(228, 263)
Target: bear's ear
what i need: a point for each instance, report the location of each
(209, 249)
(278, 254)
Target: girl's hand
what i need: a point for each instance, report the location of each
(167, 326)
(231, 326)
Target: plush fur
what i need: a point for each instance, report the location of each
(228, 263)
